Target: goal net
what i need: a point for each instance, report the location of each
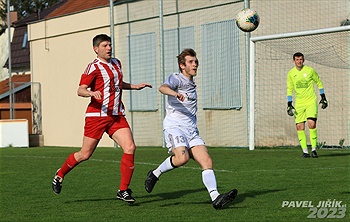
(327, 51)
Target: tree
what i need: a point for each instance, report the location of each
(24, 9)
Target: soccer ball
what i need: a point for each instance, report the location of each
(247, 20)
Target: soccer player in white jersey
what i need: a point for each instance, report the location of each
(102, 81)
(301, 80)
(181, 132)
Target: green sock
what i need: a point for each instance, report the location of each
(302, 139)
(313, 138)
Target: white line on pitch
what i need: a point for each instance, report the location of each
(185, 167)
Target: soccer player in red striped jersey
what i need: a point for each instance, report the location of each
(102, 81)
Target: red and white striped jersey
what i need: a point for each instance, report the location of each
(108, 79)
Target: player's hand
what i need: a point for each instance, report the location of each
(323, 101)
(180, 97)
(143, 85)
(97, 95)
(290, 109)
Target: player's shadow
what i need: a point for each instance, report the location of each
(335, 154)
(170, 195)
(157, 197)
(92, 200)
(253, 194)
(161, 196)
(174, 195)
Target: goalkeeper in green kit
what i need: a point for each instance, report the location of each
(301, 80)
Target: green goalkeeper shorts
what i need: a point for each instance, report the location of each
(305, 111)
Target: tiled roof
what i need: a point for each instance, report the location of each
(4, 85)
(38, 16)
(20, 53)
(72, 6)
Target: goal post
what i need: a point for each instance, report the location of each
(270, 59)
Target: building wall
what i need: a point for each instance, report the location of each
(59, 56)
(61, 48)
(4, 48)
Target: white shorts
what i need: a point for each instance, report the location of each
(176, 137)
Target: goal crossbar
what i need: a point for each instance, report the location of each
(302, 33)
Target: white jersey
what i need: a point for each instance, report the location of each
(181, 113)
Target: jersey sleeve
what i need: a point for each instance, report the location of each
(173, 81)
(117, 62)
(88, 76)
(317, 79)
(290, 84)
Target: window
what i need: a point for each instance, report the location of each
(25, 40)
(175, 40)
(220, 66)
(142, 67)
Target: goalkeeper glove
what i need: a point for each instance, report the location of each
(323, 101)
(290, 109)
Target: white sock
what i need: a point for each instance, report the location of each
(209, 181)
(163, 167)
(305, 150)
(313, 149)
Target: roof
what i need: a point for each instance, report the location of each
(73, 6)
(4, 85)
(38, 16)
(20, 53)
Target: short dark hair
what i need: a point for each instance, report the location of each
(298, 54)
(186, 52)
(100, 38)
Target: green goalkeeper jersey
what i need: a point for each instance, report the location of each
(302, 82)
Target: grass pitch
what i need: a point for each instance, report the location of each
(265, 179)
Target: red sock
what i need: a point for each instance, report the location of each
(68, 165)
(126, 170)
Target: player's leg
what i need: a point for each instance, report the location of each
(313, 139)
(87, 149)
(178, 158)
(200, 154)
(176, 140)
(302, 139)
(153, 175)
(124, 138)
(311, 114)
(313, 132)
(300, 118)
(93, 130)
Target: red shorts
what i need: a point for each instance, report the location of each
(96, 126)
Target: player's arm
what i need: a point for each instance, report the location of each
(167, 90)
(83, 91)
(130, 86)
(323, 101)
(290, 87)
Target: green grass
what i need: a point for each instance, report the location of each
(264, 178)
